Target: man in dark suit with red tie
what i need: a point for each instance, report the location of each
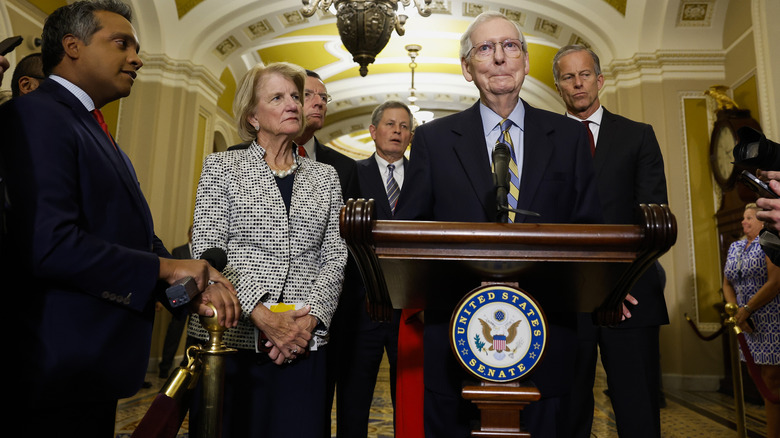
(363, 342)
(629, 171)
(450, 170)
(80, 234)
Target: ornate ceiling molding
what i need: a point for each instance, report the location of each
(176, 73)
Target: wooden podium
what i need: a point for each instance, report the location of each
(581, 268)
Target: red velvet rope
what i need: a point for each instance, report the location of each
(755, 372)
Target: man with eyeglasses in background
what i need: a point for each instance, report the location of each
(450, 170)
(315, 107)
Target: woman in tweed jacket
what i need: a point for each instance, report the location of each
(276, 214)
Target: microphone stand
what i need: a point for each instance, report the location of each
(502, 215)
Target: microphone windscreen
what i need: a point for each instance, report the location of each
(216, 258)
(501, 148)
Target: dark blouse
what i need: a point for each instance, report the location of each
(286, 188)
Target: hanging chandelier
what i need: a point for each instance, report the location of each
(365, 25)
(420, 116)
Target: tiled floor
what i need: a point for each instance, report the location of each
(686, 415)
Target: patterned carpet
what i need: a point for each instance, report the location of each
(686, 415)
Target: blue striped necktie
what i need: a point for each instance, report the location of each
(514, 174)
(392, 188)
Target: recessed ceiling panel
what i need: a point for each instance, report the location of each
(309, 54)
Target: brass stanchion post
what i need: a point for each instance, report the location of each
(736, 369)
(210, 423)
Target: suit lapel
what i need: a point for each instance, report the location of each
(537, 152)
(119, 161)
(372, 186)
(608, 138)
(470, 148)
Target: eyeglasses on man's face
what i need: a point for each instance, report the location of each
(486, 49)
(309, 94)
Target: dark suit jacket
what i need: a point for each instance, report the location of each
(372, 186)
(629, 171)
(182, 252)
(449, 179)
(82, 238)
(450, 171)
(345, 167)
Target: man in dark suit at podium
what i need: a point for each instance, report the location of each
(363, 342)
(81, 235)
(629, 171)
(450, 170)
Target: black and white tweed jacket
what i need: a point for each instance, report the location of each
(271, 256)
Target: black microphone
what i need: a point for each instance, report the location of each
(185, 289)
(501, 157)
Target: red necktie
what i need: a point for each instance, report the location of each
(301, 151)
(99, 117)
(590, 137)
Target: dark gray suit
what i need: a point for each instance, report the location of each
(363, 342)
(451, 175)
(629, 171)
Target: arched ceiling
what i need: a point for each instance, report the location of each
(227, 37)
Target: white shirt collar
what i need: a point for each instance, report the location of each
(398, 172)
(595, 117)
(80, 94)
(490, 119)
(311, 149)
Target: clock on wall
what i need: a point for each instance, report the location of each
(724, 138)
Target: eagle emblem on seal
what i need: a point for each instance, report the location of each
(499, 333)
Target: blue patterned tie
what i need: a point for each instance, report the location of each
(392, 188)
(514, 179)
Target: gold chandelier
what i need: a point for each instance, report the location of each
(419, 116)
(365, 25)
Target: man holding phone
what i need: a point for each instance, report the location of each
(80, 233)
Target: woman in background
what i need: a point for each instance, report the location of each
(752, 282)
(276, 215)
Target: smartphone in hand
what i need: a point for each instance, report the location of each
(756, 185)
(8, 44)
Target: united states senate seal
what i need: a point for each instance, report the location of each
(498, 333)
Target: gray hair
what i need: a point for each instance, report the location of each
(379, 111)
(246, 95)
(572, 49)
(79, 20)
(465, 39)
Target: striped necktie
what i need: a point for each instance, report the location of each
(392, 188)
(514, 179)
